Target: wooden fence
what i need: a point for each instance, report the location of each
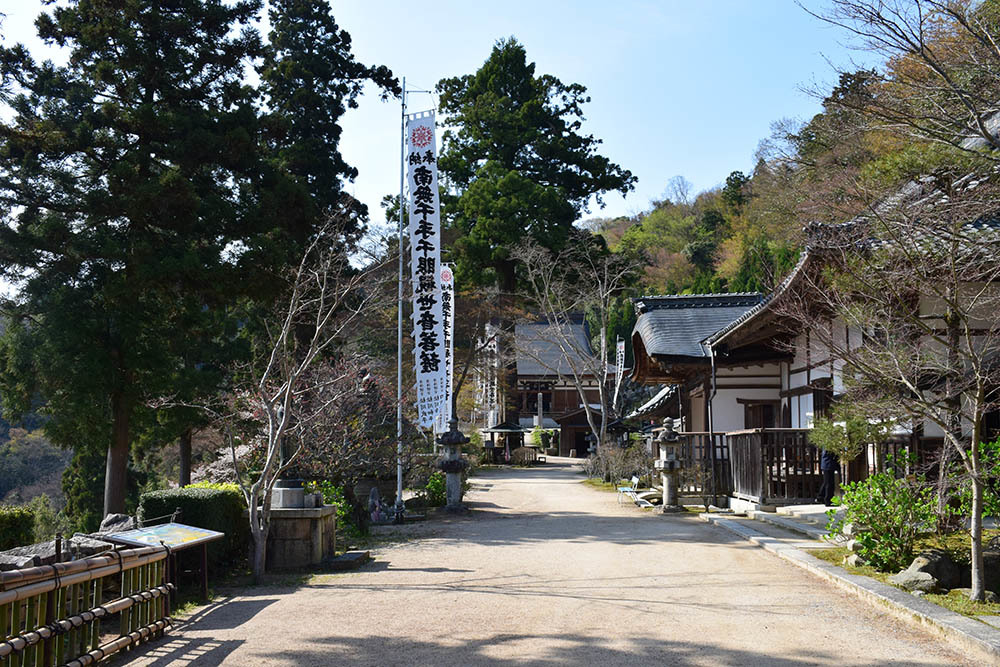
(65, 614)
(774, 465)
(698, 471)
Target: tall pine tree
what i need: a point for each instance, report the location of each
(147, 189)
(516, 162)
(121, 175)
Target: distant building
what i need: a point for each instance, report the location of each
(547, 365)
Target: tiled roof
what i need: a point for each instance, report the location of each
(675, 325)
(655, 403)
(538, 351)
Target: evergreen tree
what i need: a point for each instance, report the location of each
(120, 172)
(516, 162)
(146, 194)
(309, 79)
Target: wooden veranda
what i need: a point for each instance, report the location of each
(774, 466)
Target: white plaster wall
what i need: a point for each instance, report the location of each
(756, 370)
(802, 408)
(799, 359)
(932, 430)
(728, 414)
(796, 380)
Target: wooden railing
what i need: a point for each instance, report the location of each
(774, 465)
(62, 614)
(698, 471)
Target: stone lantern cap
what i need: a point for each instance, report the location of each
(667, 434)
(453, 437)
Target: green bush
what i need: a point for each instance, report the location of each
(48, 520)
(847, 434)
(437, 494)
(211, 506)
(334, 495)
(17, 526)
(989, 461)
(891, 513)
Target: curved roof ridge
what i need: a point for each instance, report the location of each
(764, 304)
(701, 296)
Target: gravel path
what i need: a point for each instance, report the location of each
(548, 571)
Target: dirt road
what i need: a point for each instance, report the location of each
(548, 571)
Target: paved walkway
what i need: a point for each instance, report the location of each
(548, 571)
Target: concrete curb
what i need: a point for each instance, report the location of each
(965, 633)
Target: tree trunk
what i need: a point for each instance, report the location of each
(259, 557)
(976, 533)
(944, 458)
(258, 538)
(116, 472)
(185, 456)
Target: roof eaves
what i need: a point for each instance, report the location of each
(765, 303)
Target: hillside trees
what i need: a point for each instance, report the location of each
(940, 82)
(517, 163)
(140, 184)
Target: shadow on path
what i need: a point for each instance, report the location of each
(544, 649)
(227, 613)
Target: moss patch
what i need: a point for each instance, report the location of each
(601, 485)
(960, 603)
(956, 544)
(836, 556)
(954, 600)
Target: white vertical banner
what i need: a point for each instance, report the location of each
(492, 376)
(448, 312)
(425, 258)
(619, 369)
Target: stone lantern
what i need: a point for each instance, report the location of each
(669, 465)
(453, 465)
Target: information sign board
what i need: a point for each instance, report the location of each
(174, 535)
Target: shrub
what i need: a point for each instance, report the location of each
(48, 520)
(892, 513)
(437, 494)
(211, 506)
(847, 434)
(334, 495)
(17, 526)
(612, 463)
(989, 461)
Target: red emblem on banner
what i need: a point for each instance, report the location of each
(446, 275)
(421, 136)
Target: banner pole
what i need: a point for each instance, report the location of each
(400, 506)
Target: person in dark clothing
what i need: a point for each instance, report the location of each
(828, 465)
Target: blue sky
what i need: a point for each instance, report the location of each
(677, 87)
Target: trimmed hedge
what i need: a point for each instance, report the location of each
(212, 506)
(17, 526)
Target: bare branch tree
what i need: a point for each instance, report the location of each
(941, 81)
(918, 279)
(580, 279)
(291, 390)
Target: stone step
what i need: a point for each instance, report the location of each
(800, 526)
(351, 560)
(812, 513)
